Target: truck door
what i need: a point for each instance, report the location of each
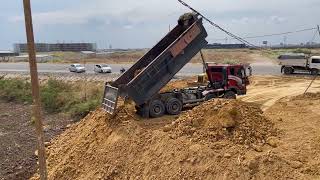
(216, 76)
(315, 63)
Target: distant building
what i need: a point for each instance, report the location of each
(5, 55)
(41, 58)
(45, 47)
(225, 46)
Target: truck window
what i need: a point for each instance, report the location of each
(241, 73)
(218, 70)
(232, 71)
(315, 61)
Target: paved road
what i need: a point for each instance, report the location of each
(189, 69)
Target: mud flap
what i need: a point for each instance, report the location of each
(110, 99)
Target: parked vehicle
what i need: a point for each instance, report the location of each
(291, 63)
(102, 68)
(143, 81)
(78, 68)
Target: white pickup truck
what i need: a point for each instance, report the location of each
(291, 63)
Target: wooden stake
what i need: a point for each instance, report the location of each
(36, 107)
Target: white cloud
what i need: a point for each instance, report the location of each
(150, 18)
(128, 26)
(277, 19)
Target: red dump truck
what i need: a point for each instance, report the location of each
(143, 81)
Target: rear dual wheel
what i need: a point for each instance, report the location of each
(288, 70)
(157, 108)
(173, 106)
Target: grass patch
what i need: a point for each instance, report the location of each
(15, 90)
(80, 110)
(275, 53)
(305, 51)
(231, 61)
(56, 96)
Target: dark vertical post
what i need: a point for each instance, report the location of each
(36, 107)
(205, 68)
(318, 29)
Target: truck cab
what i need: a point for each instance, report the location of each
(314, 64)
(228, 77)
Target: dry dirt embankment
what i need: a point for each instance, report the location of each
(202, 143)
(298, 120)
(266, 90)
(219, 139)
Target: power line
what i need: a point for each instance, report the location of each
(219, 27)
(275, 34)
(314, 36)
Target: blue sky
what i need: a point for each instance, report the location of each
(139, 24)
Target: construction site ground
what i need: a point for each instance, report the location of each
(271, 133)
(18, 139)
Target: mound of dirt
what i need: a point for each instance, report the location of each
(216, 140)
(237, 121)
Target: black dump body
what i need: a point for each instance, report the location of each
(158, 66)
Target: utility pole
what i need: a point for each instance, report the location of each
(36, 107)
(318, 27)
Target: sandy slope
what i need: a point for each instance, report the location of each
(266, 90)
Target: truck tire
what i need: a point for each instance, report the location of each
(173, 106)
(230, 95)
(157, 108)
(288, 70)
(314, 72)
(209, 96)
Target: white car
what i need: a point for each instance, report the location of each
(78, 68)
(102, 68)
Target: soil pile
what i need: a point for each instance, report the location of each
(297, 118)
(216, 140)
(239, 122)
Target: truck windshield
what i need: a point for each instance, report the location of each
(315, 60)
(241, 73)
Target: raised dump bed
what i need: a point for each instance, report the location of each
(158, 66)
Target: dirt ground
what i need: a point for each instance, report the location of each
(270, 133)
(266, 90)
(298, 120)
(18, 140)
(127, 57)
(220, 139)
(218, 56)
(210, 55)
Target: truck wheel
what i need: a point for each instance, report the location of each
(157, 108)
(288, 70)
(173, 106)
(209, 96)
(230, 95)
(314, 72)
